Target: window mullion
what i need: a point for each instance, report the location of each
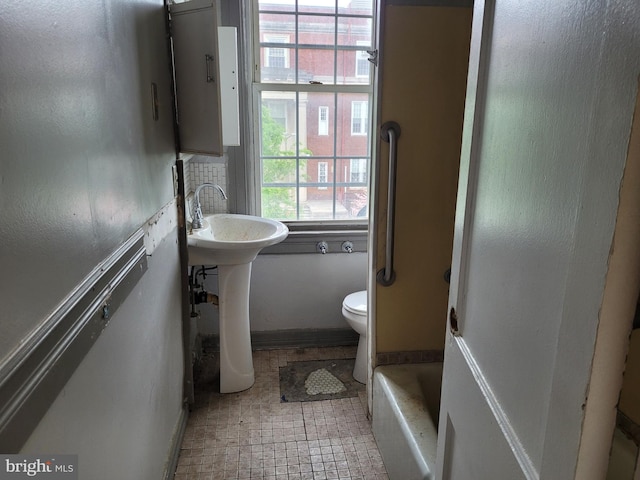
(335, 96)
(297, 107)
(297, 150)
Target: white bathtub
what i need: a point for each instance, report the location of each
(406, 403)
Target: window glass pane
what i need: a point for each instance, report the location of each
(353, 139)
(352, 7)
(353, 175)
(276, 65)
(353, 67)
(278, 171)
(317, 30)
(279, 203)
(317, 203)
(277, 48)
(278, 193)
(356, 7)
(278, 124)
(318, 6)
(316, 189)
(355, 31)
(277, 25)
(318, 139)
(316, 65)
(281, 5)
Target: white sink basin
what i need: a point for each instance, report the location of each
(232, 242)
(228, 239)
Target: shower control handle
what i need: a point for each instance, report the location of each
(322, 247)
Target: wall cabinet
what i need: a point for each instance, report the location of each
(206, 89)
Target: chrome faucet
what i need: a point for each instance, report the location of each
(197, 217)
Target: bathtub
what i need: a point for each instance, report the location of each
(406, 404)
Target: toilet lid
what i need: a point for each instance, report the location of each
(356, 303)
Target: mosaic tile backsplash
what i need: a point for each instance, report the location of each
(198, 172)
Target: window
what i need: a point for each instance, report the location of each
(312, 93)
(322, 174)
(275, 56)
(359, 118)
(323, 121)
(358, 170)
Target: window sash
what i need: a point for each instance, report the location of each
(299, 182)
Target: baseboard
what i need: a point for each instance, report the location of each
(176, 443)
(302, 338)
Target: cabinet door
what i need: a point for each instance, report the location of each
(194, 31)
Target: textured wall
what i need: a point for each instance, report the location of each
(82, 166)
(82, 163)
(423, 90)
(120, 410)
(295, 291)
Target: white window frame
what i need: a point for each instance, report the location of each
(300, 91)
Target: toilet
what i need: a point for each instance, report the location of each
(354, 310)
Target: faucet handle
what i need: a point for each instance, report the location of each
(196, 221)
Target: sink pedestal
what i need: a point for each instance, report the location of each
(236, 361)
(232, 242)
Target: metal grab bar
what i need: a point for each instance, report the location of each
(390, 132)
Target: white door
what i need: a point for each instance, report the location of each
(476, 440)
(542, 157)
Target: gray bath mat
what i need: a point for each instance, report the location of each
(318, 380)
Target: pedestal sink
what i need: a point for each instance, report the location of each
(232, 242)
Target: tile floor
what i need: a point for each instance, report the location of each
(252, 435)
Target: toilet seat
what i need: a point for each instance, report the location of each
(356, 303)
